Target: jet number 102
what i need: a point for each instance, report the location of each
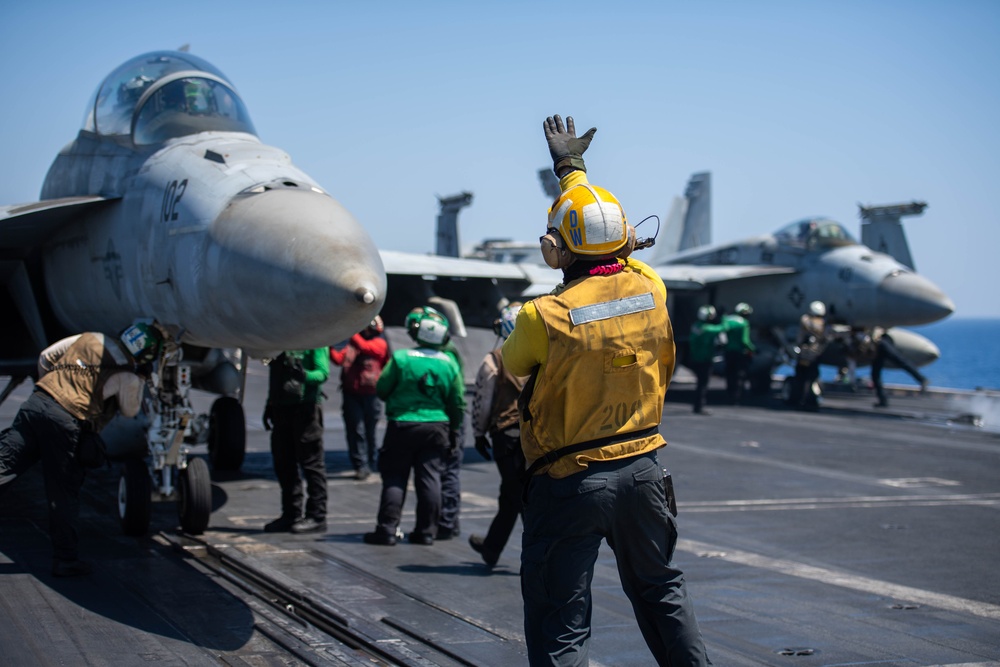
(171, 197)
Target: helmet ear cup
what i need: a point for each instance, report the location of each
(554, 251)
(629, 242)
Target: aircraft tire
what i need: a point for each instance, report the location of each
(194, 497)
(227, 434)
(135, 501)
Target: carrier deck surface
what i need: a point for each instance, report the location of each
(852, 536)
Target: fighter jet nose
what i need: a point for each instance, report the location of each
(910, 299)
(296, 265)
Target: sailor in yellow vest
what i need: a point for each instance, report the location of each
(84, 380)
(600, 353)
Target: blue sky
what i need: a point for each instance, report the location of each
(797, 108)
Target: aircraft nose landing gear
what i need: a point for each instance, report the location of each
(169, 468)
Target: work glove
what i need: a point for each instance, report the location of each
(565, 147)
(453, 444)
(483, 447)
(266, 419)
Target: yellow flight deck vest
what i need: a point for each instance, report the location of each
(77, 379)
(610, 358)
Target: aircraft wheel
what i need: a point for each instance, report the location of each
(227, 434)
(135, 500)
(194, 497)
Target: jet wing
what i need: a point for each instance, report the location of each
(412, 264)
(694, 277)
(541, 279)
(679, 277)
(25, 226)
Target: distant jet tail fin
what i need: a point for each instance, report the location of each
(882, 230)
(550, 184)
(698, 219)
(689, 222)
(669, 241)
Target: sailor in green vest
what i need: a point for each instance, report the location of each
(424, 399)
(294, 409)
(738, 351)
(702, 344)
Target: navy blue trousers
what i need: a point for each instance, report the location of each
(44, 431)
(360, 419)
(565, 520)
(297, 443)
(416, 446)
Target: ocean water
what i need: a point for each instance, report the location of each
(970, 355)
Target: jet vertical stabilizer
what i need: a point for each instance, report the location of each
(550, 184)
(689, 222)
(882, 230)
(447, 223)
(669, 241)
(698, 219)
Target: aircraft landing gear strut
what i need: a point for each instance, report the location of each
(169, 469)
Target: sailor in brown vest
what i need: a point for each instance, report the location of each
(84, 380)
(494, 412)
(600, 353)
(811, 341)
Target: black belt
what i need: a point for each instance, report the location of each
(556, 454)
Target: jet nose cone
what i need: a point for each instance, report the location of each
(909, 299)
(293, 270)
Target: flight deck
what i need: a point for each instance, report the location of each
(851, 536)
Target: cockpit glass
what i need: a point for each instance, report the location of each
(815, 233)
(114, 104)
(188, 106)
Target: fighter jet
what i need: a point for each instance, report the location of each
(779, 274)
(168, 207)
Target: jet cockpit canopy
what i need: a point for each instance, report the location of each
(165, 94)
(815, 233)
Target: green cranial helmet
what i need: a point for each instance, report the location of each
(427, 326)
(143, 340)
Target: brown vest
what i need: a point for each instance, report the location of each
(508, 387)
(811, 339)
(77, 379)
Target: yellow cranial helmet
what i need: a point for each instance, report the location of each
(590, 221)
